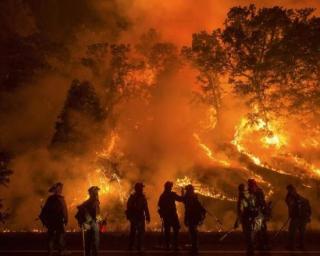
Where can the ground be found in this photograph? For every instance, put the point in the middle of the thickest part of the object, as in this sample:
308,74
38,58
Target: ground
29,244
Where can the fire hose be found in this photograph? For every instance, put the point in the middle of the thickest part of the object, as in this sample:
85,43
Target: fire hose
227,234
235,226
219,224
281,229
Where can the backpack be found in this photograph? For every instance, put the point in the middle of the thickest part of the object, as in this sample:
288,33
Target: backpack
195,212
135,207
202,214
303,208
81,215
51,212
44,216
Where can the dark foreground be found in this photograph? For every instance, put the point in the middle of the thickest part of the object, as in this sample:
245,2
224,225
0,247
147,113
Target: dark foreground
28,244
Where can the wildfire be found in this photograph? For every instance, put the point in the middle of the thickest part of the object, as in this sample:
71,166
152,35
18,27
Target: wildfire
104,177
110,145
210,120
314,171
99,177
203,190
209,152
271,136
271,133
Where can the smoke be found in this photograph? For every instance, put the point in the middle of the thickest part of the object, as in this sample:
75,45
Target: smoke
178,20
156,137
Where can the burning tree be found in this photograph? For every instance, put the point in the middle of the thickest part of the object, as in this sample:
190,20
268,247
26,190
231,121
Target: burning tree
81,116
161,56
208,56
300,68
267,57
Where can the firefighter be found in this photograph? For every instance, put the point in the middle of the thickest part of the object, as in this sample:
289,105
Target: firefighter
299,211
137,213
194,215
247,213
54,216
168,213
89,217
263,215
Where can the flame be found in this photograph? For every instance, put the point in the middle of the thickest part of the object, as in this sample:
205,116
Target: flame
109,146
210,119
272,135
203,190
209,152
314,171
105,178
273,138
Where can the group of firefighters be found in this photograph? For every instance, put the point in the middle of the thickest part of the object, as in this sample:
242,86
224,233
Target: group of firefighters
253,213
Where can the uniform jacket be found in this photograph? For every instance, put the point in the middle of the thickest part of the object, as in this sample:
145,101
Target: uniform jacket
137,208
54,213
167,204
92,208
194,211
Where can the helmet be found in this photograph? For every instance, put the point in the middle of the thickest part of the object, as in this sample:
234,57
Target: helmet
138,186
55,186
291,188
252,182
189,188
168,185
93,189
241,187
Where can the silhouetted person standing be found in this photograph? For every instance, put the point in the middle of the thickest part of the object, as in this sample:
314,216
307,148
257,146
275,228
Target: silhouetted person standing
90,211
137,213
263,215
247,213
54,216
299,213
168,213
194,215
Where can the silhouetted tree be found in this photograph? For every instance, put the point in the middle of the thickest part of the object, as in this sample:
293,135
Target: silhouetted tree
268,57
80,121
163,57
207,55
32,32
96,57
252,38
300,69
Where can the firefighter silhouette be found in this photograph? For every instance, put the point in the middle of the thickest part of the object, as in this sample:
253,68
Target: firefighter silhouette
247,213
263,215
54,216
137,213
299,211
168,213
194,215
88,217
